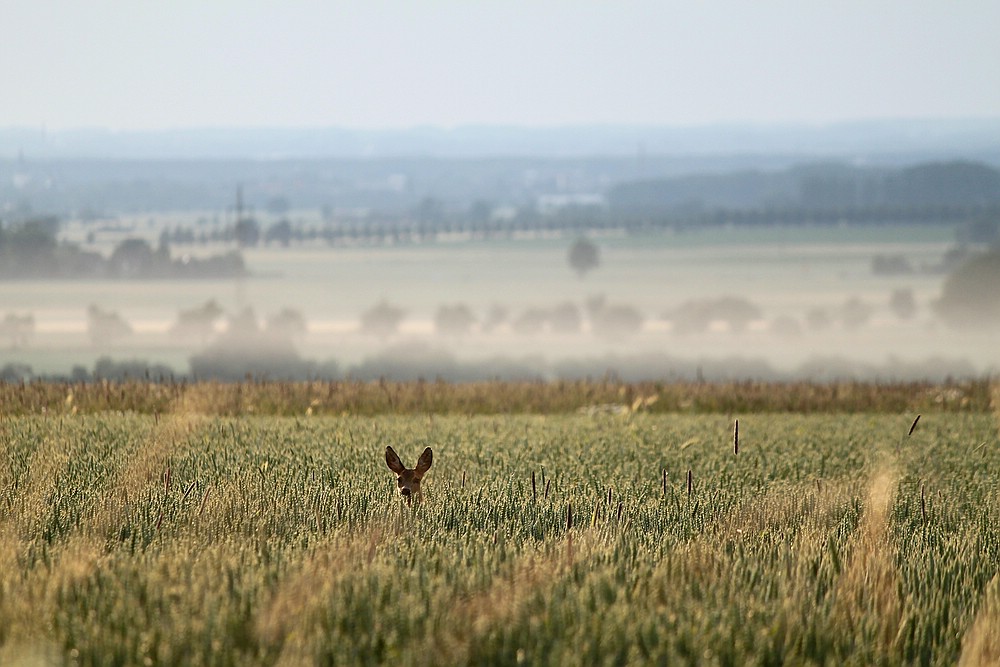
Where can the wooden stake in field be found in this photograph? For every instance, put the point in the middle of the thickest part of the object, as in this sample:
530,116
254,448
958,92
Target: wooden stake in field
690,483
736,437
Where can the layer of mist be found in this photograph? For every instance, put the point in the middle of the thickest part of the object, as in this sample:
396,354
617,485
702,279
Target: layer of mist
646,266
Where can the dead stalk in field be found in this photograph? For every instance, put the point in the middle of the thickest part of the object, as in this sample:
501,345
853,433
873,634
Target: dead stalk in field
204,501
923,504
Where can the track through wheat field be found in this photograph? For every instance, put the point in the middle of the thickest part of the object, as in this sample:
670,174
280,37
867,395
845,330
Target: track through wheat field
193,537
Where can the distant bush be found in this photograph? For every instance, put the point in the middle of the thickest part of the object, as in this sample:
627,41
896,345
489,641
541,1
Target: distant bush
786,326
696,315
456,320
247,232
406,363
903,304
382,319
531,322
970,296
818,319
136,259
18,329
134,369
496,317
280,233
244,325
104,327
583,256
565,318
288,322
616,321
855,313
198,322
16,372
242,353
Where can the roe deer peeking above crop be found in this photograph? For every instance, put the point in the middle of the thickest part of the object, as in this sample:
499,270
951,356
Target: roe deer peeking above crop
407,480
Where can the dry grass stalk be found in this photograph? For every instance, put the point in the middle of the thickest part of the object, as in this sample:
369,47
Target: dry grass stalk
923,503
981,644
204,500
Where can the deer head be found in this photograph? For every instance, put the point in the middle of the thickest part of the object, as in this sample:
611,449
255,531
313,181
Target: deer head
408,480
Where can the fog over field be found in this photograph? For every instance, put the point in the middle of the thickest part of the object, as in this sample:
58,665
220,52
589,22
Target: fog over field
730,302
652,190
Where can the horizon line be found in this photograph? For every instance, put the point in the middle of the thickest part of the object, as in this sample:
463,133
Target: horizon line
815,124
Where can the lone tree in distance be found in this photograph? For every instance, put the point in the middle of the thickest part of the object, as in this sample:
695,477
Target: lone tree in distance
583,256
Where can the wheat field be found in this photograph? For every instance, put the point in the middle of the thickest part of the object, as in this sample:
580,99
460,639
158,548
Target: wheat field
258,525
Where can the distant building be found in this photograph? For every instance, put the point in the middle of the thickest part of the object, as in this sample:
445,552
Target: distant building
548,204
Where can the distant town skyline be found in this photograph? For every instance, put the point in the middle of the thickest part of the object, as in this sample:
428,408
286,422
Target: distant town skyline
394,64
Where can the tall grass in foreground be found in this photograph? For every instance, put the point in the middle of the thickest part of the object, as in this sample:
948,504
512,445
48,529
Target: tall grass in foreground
189,539
377,398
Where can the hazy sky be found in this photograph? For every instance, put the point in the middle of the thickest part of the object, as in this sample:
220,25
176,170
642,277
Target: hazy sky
151,64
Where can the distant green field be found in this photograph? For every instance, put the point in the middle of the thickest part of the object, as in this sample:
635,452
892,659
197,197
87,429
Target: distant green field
201,534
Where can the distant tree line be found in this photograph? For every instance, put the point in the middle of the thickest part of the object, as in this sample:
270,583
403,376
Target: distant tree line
925,192
30,249
957,192
418,362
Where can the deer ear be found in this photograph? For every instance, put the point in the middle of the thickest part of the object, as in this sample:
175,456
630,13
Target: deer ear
424,462
392,460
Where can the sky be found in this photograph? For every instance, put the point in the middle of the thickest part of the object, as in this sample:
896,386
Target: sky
169,64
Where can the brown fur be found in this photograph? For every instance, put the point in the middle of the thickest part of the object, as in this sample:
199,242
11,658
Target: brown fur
407,479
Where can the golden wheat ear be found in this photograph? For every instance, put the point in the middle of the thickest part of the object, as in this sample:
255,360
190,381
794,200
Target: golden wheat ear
392,460
424,462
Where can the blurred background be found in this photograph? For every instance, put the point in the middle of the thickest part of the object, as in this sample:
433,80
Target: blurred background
646,190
